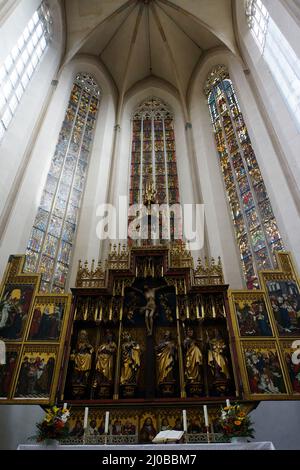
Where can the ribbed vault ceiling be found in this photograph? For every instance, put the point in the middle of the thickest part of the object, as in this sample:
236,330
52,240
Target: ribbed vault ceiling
136,39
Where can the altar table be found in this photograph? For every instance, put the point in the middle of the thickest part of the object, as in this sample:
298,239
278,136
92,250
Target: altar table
155,447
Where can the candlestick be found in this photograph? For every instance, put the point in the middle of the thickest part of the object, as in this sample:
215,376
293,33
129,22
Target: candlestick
205,415
227,402
106,422
208,434
86,414
65,406
184,420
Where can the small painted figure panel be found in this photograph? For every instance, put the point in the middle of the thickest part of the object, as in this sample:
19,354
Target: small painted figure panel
264,371
47,320
7,370
285,301
35,375
252,317
14,309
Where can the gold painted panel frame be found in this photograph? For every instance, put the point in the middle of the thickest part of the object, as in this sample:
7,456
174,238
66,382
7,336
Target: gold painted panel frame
47,321
285,277
251,316
291,356
17,293
36,381
262,370
20,297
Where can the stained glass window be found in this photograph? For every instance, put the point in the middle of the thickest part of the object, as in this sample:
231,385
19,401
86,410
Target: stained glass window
258,18
153,156
52,238
20,64
254,222
280,57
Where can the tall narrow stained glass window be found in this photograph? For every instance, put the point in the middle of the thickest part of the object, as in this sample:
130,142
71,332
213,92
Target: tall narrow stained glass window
280,57
255,226
21,63
153,155
50,245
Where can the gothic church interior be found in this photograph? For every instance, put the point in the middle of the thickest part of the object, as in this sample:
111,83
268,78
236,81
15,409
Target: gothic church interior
192,105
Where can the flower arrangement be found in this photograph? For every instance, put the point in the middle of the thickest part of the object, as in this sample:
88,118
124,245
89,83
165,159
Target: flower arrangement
235,422
54,425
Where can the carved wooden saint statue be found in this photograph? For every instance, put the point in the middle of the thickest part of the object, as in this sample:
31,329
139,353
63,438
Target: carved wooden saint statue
105,359
193,358
217,359
82,359
130,360
166,355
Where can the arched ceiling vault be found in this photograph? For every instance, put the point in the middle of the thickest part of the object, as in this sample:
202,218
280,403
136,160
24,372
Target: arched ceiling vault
136,39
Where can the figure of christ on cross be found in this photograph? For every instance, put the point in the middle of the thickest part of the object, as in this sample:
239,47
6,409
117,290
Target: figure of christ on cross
150,309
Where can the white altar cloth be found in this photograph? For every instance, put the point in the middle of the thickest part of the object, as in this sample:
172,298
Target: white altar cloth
155,447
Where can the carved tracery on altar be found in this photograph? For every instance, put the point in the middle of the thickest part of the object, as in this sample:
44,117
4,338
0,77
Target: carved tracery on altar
150,330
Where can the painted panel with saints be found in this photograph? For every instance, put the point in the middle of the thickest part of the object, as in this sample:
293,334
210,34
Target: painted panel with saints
285,302
7,370
251,314
263,368
36,373
47,318
148,428
123,424
14,308
292,361
75,424
169,420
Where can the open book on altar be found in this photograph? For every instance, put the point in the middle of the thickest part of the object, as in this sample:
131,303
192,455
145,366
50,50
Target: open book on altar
167,436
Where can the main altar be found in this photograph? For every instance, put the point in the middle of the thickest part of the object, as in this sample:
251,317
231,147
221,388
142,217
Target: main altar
148,342
145,337
149,339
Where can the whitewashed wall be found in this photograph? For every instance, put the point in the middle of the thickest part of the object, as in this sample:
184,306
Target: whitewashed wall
282,162
26,121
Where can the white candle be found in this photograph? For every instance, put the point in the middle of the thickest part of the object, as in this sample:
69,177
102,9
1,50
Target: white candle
106,422
227,402
184,420
86,414
65,406
205,415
